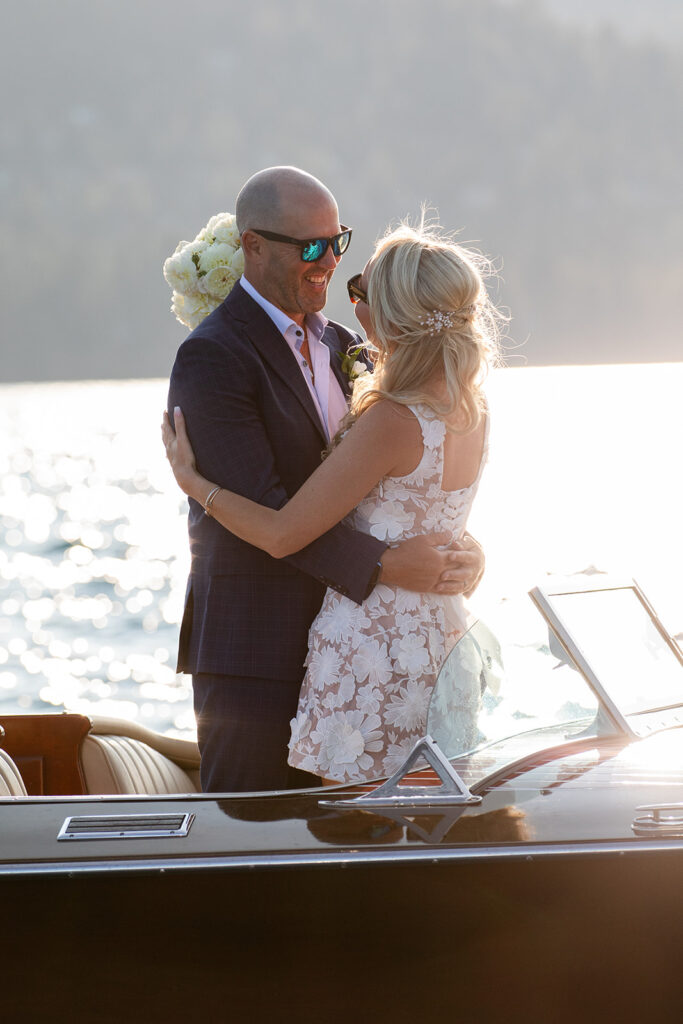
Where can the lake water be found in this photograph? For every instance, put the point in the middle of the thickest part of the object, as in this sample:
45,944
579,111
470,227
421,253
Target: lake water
585,475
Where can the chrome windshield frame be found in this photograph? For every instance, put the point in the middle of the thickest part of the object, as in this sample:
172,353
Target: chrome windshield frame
543,597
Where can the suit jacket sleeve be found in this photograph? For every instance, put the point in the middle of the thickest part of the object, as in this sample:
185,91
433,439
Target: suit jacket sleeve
220,392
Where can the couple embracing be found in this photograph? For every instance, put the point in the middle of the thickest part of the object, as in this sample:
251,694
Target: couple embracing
324,595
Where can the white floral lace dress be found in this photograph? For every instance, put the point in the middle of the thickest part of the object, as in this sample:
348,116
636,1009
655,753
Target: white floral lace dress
371,668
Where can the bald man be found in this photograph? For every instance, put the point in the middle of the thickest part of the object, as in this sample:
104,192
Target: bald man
261,384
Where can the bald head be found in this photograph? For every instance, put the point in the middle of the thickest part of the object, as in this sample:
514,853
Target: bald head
278,198
287,201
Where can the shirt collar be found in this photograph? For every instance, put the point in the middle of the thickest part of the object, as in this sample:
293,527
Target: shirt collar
315,322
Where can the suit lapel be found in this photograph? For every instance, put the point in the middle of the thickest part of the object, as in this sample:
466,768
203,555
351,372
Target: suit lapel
340,347
336,347
273,349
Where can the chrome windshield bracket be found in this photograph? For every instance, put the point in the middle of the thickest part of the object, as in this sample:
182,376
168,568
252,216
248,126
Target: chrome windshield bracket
451,793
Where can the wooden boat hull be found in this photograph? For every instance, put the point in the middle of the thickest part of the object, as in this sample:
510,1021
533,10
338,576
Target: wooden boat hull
561,936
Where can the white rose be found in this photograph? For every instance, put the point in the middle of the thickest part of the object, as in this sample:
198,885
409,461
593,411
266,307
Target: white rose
237,263
218,282
198,246
228,234
219,220
215,256
180,271
177,303
191,309
358,368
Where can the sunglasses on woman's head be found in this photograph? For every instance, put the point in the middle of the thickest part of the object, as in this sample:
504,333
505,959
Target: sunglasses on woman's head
312,249
356,293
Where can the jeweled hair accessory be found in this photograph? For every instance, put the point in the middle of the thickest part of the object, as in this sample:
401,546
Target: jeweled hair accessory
438,320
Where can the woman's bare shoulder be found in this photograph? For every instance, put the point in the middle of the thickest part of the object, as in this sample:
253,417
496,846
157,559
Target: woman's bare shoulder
394,430
391,416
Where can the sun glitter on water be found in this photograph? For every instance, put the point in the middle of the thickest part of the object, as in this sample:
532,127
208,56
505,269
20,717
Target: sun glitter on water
584,475
94,559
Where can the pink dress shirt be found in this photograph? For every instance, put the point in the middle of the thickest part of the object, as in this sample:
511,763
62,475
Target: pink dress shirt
327,395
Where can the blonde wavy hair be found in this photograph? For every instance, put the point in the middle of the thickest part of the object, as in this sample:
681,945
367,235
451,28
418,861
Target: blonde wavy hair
432,324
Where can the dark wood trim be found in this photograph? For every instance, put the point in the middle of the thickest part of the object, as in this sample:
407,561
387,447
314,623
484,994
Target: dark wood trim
45,749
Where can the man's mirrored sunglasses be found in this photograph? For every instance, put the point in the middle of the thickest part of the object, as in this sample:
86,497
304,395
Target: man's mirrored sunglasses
312,249
356,293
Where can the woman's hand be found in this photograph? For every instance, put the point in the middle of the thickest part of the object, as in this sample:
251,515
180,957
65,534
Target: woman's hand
179,453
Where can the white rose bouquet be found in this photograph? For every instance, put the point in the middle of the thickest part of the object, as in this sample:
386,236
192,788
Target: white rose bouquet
201,273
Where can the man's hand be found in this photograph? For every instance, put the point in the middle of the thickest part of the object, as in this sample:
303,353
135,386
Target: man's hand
469,566
424,564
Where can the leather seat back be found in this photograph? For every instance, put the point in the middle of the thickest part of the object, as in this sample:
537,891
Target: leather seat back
119,764
120,757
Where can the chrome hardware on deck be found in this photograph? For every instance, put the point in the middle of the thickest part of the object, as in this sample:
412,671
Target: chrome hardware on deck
660,821
126,826
452,791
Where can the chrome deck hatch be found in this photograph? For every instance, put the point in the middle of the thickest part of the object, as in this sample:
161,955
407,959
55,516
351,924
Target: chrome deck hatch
126,826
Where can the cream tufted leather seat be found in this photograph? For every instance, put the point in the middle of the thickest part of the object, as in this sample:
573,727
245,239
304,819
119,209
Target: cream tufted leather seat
11,782
121,757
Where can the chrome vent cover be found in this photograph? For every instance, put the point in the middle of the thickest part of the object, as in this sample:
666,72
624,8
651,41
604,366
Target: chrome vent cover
126,826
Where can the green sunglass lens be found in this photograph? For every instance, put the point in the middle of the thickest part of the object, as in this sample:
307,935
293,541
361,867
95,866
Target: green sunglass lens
316,248
312,251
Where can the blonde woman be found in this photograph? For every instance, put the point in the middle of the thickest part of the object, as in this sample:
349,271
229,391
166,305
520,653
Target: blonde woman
408,462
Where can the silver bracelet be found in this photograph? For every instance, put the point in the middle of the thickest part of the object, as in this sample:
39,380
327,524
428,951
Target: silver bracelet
210,500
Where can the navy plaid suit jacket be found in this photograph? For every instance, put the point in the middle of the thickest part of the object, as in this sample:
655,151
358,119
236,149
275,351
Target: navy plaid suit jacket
254,430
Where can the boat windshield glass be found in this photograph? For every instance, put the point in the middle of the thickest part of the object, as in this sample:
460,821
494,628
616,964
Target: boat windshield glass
506,676
617,638
510,674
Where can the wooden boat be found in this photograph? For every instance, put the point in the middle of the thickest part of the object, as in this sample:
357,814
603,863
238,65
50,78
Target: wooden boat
536,876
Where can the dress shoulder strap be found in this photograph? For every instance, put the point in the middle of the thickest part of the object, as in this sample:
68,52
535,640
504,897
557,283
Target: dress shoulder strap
485,446
433,428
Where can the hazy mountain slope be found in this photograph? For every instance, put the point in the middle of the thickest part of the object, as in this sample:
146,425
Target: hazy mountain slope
126,125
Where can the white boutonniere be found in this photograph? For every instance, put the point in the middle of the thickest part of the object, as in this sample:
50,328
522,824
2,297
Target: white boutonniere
351,365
